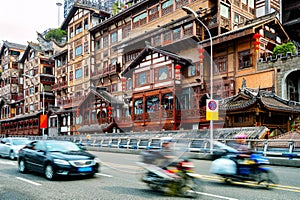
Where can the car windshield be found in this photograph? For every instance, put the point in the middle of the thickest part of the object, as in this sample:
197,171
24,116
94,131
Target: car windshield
20,141
62,146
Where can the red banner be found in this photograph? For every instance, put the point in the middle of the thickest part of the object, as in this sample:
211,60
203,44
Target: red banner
43,121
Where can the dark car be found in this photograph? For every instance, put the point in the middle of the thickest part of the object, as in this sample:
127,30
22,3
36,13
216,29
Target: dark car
52,158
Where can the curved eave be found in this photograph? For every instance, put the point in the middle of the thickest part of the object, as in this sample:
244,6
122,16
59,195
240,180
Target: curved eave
238,107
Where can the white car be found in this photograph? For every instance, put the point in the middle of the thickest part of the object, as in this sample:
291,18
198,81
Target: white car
10,146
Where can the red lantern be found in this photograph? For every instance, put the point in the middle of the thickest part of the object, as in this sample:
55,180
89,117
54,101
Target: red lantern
177,72
123,83
201,56
256,43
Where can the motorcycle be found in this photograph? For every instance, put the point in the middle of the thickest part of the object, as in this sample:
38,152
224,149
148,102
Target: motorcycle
253,168
176,179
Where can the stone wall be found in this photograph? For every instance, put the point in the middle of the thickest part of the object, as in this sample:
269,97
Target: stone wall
282,65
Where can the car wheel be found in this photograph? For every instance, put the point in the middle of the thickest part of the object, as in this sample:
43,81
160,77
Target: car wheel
22,166
49,172
12,155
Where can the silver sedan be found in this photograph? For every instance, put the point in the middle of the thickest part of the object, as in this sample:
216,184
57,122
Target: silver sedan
10,146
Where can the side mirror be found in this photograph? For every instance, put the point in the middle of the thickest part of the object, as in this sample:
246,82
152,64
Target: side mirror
8,143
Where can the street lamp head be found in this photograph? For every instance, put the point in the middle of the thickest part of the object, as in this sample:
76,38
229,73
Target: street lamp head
189,11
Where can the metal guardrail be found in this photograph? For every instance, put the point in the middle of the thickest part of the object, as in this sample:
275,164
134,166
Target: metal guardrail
268,147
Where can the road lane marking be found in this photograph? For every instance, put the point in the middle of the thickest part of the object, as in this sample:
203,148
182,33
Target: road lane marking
29,181
216,196
253,183
106,175
8,162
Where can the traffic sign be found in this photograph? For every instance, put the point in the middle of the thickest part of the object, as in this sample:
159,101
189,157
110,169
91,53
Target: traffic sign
212,109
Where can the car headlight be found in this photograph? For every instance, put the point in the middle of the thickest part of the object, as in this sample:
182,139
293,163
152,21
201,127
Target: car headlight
97,160
61,162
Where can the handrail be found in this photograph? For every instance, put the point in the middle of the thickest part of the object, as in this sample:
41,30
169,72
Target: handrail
278,147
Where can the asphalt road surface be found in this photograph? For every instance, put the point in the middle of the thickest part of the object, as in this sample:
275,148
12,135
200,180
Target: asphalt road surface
119,179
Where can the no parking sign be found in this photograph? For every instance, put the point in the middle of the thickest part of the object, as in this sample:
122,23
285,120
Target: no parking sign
212,109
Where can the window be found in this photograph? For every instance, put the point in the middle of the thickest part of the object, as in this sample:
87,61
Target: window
15,53
114,37
86,47
58,63
224,11
78,28
71,33
78,73
31,73
78,50
157,40
236,18
188,29
176,34
152,104
105,41
31,107
140,20
129,84
71,76
126,30
86,71
141,79
86,23
245,59
71,53
138,106
31,90
221,64
162,73
192,71
31,55
167,7
153,13
98,44
167,37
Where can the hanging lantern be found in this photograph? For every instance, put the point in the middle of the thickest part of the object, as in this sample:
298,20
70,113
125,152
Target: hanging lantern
201,56
256,43
123,83
177,72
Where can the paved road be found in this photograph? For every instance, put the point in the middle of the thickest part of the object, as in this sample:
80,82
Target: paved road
119,179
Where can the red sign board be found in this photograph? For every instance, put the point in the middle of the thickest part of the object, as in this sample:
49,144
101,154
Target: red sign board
43,121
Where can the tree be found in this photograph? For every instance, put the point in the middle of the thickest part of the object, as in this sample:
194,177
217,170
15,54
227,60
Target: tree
284,48
56,34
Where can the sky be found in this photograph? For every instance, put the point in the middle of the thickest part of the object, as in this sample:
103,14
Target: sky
20,20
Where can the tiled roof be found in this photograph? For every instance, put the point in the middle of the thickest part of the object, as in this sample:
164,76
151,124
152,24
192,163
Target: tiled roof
248,97
14,45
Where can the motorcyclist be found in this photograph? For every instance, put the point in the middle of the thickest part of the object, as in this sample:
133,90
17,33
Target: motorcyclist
243,156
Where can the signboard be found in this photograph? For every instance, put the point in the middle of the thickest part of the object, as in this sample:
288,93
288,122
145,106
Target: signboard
43,121
212,109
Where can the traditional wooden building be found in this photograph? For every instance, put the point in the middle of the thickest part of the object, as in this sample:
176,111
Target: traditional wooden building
257,107
73,64
11,91
97,112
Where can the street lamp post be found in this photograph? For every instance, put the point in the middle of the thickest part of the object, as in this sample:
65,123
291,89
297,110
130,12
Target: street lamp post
196,16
